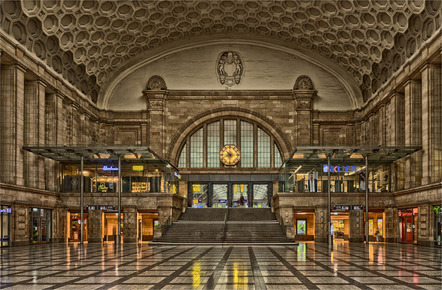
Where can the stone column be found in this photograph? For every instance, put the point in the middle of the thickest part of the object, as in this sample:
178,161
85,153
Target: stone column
304,94
130,225
94,226
34,132
431,124
54,131
425,225
75,124
391,225
321,224
11,123
357,231
155,107
413,132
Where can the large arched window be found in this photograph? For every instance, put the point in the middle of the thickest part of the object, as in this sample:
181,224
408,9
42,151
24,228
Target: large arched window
258,148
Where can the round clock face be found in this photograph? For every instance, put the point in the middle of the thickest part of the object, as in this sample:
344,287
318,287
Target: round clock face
229,155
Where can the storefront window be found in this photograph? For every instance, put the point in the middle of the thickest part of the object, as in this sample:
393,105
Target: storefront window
342,179
135,177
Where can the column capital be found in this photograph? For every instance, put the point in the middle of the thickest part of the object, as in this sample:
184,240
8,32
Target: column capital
155,99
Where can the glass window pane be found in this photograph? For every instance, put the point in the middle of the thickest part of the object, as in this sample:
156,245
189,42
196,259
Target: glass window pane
263,149
278,158
213,140
246,144
182,160
230,132
196,149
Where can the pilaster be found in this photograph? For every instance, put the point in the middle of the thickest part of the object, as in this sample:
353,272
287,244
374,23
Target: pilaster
156,127
94,226
413,132
431,124
425,227
304,95
130,225
356,226
321,224
12,123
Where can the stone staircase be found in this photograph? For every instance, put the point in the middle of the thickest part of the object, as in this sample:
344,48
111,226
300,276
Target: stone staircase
244,225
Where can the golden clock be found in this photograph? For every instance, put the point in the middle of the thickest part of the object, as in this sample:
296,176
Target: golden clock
229,155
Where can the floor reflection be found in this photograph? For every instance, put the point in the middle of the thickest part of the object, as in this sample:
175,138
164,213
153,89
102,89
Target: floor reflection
307,266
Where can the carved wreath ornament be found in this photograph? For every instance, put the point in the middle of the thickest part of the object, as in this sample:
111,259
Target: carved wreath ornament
229,68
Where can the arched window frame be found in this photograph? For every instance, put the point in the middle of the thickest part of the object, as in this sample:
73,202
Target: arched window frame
275,161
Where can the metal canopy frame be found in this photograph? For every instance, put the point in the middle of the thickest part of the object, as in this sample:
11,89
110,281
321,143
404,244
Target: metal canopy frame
96,154
313,156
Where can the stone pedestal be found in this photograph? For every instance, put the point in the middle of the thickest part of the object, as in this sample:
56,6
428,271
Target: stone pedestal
286,216
94,226
356,226
130,225
321,224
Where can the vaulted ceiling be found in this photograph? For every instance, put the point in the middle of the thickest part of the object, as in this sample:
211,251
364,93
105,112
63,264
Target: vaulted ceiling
88,41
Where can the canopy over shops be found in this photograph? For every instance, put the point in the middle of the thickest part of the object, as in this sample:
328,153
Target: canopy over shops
98,154
313,156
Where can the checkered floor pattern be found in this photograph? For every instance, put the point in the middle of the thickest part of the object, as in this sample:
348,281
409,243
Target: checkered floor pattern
307,266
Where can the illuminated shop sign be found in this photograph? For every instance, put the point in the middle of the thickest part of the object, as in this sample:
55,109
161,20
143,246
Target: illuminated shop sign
137,168
6,210
334,169
109,168
177,175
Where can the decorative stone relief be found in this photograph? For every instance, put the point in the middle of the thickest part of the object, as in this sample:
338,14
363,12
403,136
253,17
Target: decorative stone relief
303,83
156,83
229,68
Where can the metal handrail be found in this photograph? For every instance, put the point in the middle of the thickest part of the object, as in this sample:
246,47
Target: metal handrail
223,235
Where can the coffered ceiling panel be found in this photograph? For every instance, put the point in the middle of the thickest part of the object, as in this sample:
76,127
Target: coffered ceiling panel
87,41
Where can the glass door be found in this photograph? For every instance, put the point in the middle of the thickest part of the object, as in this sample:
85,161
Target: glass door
240,195
220,195
200,195
261,195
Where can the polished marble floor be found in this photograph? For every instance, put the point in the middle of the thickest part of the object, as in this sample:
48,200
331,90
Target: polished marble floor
307,266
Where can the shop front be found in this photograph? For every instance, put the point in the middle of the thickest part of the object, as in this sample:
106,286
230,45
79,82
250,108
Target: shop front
40,225
304,223
147,223
437,225
5,225
74,226
408,225
110,226
376,226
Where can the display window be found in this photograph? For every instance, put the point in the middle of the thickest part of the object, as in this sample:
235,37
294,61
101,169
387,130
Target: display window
136,178
74,226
